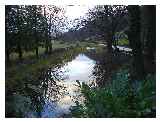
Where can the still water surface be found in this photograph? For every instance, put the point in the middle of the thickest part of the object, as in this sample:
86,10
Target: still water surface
80,69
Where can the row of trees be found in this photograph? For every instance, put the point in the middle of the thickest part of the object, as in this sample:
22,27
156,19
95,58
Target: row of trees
28,27
137,22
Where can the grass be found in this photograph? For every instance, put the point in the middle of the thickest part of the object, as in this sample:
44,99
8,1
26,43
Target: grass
62,44
123,42
56,44
14,56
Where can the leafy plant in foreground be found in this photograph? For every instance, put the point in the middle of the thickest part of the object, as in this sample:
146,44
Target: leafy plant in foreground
120,98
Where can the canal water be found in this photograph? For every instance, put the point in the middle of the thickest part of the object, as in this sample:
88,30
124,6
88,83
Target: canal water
79,69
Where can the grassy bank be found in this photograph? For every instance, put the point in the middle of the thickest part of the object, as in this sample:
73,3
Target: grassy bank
55,45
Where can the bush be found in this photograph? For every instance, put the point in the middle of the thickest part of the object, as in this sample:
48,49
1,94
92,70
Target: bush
121,98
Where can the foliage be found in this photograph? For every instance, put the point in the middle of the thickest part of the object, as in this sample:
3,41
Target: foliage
107,21
123,42
35,23
118,99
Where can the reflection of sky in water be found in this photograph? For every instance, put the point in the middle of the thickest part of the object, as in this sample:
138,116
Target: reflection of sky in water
79,69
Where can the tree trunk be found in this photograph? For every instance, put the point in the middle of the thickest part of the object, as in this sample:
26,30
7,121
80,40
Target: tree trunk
35,31
109,42
135,42
19,48
20,51
7,55
36,48
50,43
46,33
151,37
37,52
50,47
46,46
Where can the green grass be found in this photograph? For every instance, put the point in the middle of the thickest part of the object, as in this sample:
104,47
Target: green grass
123,42
61,44
56,44
14,56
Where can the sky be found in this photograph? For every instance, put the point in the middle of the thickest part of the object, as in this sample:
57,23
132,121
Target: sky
73,12
77,11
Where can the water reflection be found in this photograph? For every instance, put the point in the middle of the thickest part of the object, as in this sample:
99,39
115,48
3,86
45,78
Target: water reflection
79,69
86,68
53,91
61,91
48,91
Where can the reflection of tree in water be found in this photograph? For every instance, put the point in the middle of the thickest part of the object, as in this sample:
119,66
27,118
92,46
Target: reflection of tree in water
52,83
102,71
102,67
28,97
50,89
106,64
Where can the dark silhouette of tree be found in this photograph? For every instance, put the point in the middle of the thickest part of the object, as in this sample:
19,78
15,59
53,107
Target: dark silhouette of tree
14,30
108,20
149,25
36,22
135,42
52,24
8,34
31,26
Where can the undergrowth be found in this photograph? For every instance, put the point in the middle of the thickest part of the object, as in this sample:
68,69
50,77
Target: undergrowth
121,98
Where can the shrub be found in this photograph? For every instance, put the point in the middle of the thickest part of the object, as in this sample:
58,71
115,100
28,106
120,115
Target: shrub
120,98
